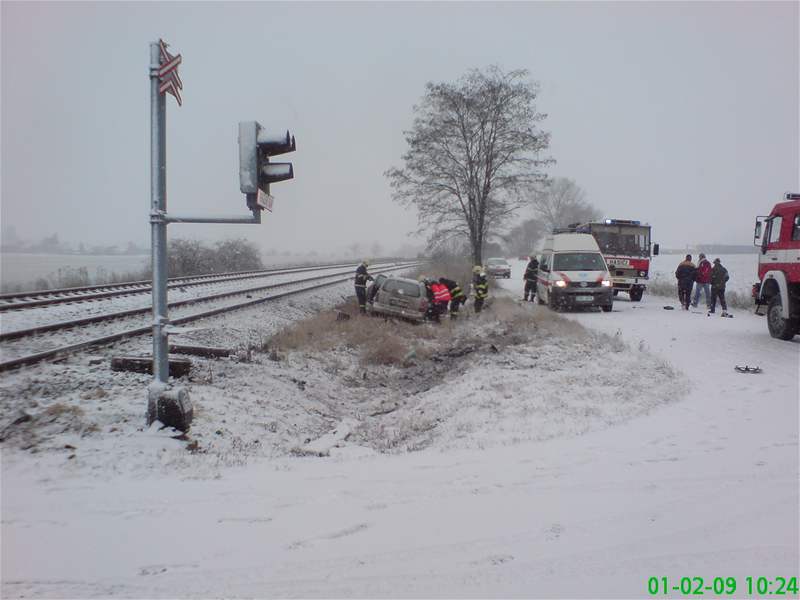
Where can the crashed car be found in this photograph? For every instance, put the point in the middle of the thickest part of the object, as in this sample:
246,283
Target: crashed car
498,267
398,297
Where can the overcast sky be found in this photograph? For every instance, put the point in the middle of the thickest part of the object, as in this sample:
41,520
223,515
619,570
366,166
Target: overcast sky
681,114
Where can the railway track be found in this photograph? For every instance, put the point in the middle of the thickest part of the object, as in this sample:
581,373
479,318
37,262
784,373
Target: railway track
24,300
71,348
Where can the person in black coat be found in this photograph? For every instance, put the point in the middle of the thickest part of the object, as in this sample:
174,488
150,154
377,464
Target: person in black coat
362,277
457,297
685,274
719,277
531,272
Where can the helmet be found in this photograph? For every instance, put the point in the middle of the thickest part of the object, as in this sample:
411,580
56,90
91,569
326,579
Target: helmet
365,262
477,269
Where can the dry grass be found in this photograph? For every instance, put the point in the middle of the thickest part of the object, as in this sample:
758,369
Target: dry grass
387,341
59,409
380,341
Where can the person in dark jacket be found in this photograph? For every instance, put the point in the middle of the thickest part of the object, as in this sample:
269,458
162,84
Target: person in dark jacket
457,296
685,274
702,279
531,273
362,277
481,285
719,277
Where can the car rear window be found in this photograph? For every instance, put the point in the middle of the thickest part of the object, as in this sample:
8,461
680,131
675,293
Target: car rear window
406,288
497,261
579,261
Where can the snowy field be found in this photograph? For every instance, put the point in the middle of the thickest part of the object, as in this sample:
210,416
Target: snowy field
25,269
22,268
572,456
742,268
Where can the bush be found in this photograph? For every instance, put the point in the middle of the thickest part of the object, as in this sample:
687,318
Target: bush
190,257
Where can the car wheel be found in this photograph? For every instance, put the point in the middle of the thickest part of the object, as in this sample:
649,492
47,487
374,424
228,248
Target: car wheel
607,307
780,328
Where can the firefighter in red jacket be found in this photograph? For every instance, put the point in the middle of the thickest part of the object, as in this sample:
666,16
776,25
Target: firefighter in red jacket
441,298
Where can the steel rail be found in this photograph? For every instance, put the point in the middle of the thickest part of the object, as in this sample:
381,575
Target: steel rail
32,293
62,351
50,327
129,289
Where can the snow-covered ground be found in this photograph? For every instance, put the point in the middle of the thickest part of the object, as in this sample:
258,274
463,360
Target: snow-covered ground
572,455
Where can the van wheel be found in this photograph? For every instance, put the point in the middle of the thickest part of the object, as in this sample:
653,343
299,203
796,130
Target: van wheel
551,302
780,328
636,294
607,307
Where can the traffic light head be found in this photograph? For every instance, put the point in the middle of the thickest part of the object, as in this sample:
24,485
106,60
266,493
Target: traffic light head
256,172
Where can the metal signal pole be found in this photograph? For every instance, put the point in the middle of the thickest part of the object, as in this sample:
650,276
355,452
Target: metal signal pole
158,206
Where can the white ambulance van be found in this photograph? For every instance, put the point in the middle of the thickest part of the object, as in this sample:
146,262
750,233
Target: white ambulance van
573,273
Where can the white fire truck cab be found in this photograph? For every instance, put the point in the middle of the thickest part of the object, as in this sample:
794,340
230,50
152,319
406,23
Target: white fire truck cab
778,284
626,247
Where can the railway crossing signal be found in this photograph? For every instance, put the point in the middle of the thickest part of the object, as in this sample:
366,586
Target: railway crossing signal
172,406
256,172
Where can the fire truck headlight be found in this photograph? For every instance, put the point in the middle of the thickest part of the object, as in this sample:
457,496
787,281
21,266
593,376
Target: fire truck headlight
606,283
642,273
560,283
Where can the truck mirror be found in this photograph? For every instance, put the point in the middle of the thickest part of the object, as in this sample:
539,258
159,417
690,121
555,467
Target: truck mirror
758,230
655,249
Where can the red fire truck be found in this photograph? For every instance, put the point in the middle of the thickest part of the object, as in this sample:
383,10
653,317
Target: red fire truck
626,247
778,284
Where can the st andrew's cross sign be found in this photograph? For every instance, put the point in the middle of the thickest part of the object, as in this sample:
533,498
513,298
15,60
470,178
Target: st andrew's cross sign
169,80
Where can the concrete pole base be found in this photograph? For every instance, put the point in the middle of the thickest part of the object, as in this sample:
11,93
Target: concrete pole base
172,407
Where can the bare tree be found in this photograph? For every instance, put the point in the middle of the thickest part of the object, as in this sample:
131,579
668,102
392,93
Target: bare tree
562,202
522,239
473,153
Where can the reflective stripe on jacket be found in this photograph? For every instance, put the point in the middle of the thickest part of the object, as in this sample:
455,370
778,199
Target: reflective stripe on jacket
481,287
440,292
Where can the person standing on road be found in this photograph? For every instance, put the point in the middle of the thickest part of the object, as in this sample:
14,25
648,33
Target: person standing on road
481,285
531,273
457,297
685,275
362,277
719,277
702,281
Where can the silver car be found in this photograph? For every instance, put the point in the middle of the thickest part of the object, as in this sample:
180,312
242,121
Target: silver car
498,267
399,297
